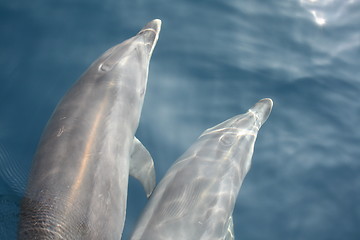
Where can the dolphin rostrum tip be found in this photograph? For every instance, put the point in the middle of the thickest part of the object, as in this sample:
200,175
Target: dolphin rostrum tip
154,26
151,33
262,109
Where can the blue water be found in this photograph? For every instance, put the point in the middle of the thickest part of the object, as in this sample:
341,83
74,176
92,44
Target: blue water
214,59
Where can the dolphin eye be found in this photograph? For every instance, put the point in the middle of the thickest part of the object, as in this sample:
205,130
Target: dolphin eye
228,139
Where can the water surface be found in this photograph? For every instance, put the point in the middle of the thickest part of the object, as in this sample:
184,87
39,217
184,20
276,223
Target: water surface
214,60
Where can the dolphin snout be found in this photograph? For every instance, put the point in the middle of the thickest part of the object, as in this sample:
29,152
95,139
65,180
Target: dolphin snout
154,25
151,33
262,109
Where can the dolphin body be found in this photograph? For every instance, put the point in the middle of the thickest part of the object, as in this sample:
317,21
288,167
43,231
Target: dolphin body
78,183
196,198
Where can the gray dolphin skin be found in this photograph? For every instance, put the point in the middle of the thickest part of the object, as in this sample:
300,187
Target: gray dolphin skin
196,198
78,183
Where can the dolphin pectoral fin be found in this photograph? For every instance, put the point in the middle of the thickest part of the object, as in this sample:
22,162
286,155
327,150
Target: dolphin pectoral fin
142,167
230,230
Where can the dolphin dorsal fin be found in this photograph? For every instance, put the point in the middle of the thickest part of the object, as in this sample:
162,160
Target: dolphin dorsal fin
142,166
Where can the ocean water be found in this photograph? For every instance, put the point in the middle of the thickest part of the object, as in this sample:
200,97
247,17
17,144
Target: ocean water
214,60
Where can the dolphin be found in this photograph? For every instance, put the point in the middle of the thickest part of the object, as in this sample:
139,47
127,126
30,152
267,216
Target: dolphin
196,197
78,184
